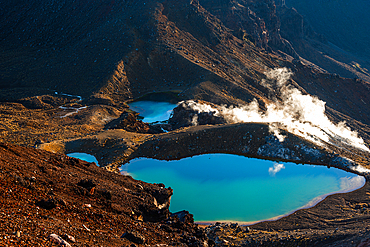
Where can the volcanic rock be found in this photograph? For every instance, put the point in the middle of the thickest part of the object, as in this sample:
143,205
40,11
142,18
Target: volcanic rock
134,236
49,213
87,183
159,128
184,116
58,240
69,237
128,121
49,203
183,216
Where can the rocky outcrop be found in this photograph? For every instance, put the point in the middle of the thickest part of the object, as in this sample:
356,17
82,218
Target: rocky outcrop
183,116
158,210
342,22
128,121
255,22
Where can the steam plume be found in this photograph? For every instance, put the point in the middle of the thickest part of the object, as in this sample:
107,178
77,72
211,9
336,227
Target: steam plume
302,115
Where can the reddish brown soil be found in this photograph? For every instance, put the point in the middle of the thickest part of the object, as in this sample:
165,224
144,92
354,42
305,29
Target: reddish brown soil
42,193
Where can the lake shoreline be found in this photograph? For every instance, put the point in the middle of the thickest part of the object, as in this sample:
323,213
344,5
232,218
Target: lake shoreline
116,147
235,179
311,204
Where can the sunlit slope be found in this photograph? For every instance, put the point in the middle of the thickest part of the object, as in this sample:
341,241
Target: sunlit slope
117,47
126,49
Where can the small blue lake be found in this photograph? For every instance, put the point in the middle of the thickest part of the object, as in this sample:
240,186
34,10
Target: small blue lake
84,156
153,111
223,187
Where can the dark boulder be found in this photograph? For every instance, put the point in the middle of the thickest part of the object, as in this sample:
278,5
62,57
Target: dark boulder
157,210
184,115
159,128
48,204
184,216
87,183
134,236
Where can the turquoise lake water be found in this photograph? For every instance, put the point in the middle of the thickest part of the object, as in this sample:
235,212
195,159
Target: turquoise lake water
84,156
223,187
153,111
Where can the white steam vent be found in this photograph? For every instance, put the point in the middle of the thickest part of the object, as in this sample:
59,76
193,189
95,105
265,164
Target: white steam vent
302,115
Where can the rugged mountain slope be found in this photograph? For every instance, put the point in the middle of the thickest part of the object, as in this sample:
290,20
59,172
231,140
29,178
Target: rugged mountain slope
114,47
124,49
44,193
272,25
318,46
344,23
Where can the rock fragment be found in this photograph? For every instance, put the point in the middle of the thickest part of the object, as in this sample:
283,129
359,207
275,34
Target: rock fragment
86,228
87,183
134,236
47,203
58,240
69,237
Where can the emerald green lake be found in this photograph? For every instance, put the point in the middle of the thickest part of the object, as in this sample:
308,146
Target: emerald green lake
224,187
153,111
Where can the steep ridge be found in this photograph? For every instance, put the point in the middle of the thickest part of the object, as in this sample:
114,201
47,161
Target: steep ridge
345,24
255,22
272,25
127,49
317,49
